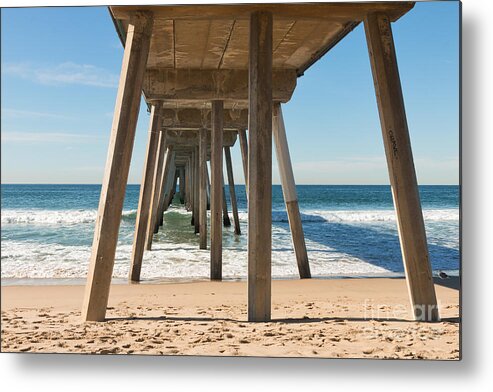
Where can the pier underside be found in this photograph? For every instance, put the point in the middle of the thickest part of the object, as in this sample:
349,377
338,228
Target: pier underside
212,74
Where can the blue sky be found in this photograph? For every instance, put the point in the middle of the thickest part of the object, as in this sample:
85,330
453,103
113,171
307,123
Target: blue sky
60,69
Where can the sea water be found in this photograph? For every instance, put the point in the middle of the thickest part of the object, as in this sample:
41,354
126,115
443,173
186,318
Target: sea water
47,232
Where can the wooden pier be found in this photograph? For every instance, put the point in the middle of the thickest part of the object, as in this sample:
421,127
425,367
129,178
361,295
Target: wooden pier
212,74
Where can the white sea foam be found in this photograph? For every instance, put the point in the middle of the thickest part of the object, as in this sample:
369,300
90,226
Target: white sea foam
23,260
360,216
56,217
53,217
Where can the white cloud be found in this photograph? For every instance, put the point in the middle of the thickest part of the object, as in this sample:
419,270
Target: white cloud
46,137
64,73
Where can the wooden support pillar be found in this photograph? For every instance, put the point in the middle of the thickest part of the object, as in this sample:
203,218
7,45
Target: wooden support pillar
203,188
260,167
172,187
182,185
168,168
192,188
196,195
117,167
226,220
188,185
158,173
216,190
244,155
145,199
289,192
400,163
208,188
232,191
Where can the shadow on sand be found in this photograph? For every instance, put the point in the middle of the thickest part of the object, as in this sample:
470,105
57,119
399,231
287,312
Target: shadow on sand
303,320
368,244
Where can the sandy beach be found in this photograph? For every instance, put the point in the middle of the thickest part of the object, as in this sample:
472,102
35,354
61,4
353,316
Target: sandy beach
339,318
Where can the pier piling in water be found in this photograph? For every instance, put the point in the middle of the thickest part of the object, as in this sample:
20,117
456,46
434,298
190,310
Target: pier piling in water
232,191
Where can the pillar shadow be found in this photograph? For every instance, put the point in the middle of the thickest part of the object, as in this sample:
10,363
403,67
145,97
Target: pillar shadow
375,246
452,282
295,320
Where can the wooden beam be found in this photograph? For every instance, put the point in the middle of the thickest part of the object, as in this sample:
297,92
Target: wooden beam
203,188
192,188
208,188
226,220
216,190
165,187
188,119
187,185
182,185
244,155
196,197
157,182
260,168
289,192
172,192
400,163
144,207
336,12
184,140
232,191
117,167
226,84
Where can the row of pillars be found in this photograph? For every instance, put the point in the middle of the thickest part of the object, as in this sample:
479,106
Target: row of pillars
265,121
161,175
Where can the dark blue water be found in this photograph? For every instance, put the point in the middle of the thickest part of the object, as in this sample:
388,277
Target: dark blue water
339,197
350,230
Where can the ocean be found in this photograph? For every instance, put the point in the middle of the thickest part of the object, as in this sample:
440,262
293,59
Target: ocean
350,231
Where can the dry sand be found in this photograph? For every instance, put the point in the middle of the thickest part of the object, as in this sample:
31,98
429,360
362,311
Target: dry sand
343,318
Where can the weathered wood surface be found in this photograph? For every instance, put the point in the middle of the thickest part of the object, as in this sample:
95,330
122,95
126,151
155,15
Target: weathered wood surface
172,193
289,192
184,140
203,188
196,197
181,185
232,191
196,84
208,188
165,186
260,168
400,163
145,198
117,168
326,11
244,155
188,185
215,37
226,220
216,190
192,189
156,189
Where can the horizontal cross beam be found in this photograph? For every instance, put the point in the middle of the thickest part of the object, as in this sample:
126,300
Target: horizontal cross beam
206,85
188,139
327,11
192,119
